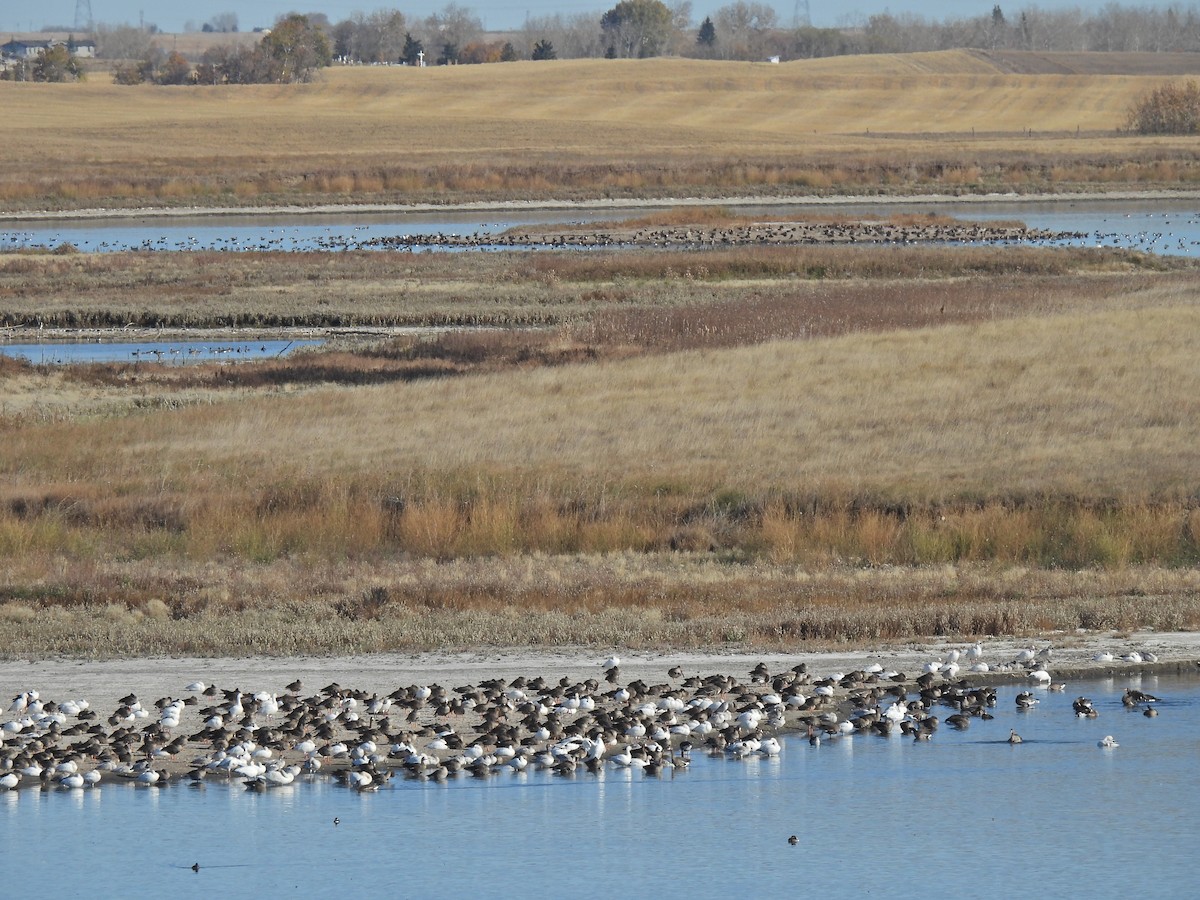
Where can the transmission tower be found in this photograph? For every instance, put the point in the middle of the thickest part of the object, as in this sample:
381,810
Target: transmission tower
798,19
83,15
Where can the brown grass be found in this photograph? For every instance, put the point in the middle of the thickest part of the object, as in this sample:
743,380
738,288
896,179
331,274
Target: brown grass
1041,438
113,608
597,128
758,446
377,289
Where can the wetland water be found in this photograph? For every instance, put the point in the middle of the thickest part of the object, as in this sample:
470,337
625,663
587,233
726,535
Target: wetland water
1169,227
179,352
1055,816
1166,227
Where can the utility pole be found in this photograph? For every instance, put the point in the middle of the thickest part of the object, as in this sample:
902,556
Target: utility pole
83,16
797,20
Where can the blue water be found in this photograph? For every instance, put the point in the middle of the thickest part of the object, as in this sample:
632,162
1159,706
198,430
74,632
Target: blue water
964,814
1165,227
240,233
174,352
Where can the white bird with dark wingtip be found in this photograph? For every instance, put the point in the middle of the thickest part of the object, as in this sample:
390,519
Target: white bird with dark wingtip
1040,676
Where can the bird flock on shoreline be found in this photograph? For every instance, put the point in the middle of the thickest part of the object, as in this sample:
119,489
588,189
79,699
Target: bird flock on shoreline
429,732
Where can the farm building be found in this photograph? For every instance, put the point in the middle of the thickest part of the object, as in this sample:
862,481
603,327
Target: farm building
30,49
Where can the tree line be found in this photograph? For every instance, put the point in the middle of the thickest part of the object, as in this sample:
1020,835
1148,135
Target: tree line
297,45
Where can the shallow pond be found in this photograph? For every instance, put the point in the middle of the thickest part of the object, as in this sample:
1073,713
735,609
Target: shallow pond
1165,227
1054,816
176,352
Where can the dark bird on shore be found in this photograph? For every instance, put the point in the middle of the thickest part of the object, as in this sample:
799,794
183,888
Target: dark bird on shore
675,672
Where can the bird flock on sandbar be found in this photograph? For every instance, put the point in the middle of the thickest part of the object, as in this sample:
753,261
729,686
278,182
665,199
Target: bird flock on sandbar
265,740
1167,233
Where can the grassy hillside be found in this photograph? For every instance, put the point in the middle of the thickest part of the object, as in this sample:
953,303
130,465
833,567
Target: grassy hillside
1027,469
589,127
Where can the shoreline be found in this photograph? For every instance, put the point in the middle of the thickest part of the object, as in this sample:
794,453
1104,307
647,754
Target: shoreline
965,200
152,748
1072,657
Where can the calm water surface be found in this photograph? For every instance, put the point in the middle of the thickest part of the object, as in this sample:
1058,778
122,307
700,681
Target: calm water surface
178,352
964,814
238,233
1166,227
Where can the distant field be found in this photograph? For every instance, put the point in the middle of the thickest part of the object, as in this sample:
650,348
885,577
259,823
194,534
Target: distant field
955,120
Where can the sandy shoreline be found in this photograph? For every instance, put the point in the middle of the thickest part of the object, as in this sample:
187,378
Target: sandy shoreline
106,680
34,751
595,204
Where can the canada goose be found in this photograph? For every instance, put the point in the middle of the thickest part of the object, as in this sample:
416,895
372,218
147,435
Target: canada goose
1013,737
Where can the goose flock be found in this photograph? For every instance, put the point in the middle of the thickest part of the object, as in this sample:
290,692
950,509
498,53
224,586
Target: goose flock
1161,233
429,732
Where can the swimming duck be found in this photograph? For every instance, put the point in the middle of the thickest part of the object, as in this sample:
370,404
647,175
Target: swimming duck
1026,700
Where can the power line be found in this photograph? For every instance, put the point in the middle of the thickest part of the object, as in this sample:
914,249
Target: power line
83,16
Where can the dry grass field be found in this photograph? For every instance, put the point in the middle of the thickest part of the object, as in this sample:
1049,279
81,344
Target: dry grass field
956,120
753,446
915,442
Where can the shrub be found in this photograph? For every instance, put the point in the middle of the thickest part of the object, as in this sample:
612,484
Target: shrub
1171,109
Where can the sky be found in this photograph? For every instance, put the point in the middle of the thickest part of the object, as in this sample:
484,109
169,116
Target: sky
25,15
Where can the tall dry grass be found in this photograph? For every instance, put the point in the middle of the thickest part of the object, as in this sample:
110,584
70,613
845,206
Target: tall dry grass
750,454
1049,440
108,608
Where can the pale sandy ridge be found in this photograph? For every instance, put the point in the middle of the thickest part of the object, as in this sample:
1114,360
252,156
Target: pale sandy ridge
102,682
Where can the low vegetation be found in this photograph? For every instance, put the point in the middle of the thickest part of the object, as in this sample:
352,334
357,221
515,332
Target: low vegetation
1171,109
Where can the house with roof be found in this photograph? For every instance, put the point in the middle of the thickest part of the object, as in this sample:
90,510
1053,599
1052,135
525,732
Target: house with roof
30,49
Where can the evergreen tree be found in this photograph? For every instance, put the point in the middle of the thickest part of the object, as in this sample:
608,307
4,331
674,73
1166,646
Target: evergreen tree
413,49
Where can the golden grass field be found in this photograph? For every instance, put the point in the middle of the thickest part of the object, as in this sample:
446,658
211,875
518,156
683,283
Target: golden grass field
953,120
747,446
903,447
